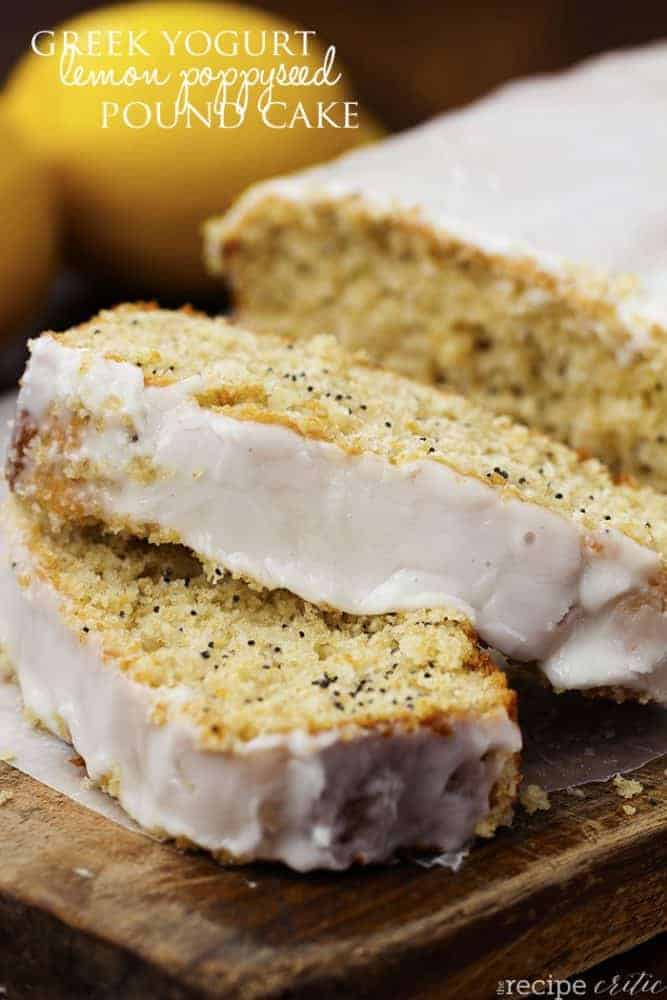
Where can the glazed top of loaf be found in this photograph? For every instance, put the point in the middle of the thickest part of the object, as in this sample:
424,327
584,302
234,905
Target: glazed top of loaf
564,169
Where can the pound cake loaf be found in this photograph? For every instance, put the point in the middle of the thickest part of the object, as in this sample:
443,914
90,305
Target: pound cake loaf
514,251
350,486
256,726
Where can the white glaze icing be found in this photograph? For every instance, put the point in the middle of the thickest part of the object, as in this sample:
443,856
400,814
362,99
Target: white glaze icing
563,169
602,649
319,801
353,532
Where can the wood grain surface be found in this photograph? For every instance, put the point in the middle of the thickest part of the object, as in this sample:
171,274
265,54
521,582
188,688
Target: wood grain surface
88,909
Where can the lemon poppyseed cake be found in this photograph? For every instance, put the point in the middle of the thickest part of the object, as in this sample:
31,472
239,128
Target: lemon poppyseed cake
350,486
254,725
514,251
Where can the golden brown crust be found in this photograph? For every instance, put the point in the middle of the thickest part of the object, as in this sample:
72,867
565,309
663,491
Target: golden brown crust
25,430
503,796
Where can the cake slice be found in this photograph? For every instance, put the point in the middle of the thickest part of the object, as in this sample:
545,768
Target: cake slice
352,487
256,726
514,251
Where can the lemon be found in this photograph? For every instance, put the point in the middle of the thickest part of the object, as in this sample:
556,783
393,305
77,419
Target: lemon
27,230
138,182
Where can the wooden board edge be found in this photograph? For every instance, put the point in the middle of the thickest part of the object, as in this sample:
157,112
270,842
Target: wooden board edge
538,933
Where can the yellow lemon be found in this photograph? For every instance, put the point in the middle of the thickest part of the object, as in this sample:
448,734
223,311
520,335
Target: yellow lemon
155,117
27,230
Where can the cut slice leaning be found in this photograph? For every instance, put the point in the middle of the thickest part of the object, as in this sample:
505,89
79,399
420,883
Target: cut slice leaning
352,487
255,726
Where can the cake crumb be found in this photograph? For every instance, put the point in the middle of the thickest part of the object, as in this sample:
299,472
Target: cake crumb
5,797
627,788
534,799
6,669
577,793
31,718
628,809
7,756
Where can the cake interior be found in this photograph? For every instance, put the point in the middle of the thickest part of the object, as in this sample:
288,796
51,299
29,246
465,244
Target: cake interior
250,724
555,354
319,391
249,663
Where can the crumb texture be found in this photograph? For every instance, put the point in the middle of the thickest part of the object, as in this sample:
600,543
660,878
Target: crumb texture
244,664
627,788
321,391
555,351
534,799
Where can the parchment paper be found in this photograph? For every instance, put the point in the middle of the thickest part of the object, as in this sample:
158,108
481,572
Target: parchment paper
571,740
37,753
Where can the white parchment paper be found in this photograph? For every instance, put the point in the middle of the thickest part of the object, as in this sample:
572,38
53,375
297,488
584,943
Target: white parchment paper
37,753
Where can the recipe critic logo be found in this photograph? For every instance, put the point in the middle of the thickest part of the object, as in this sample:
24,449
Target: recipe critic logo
196,78
633,984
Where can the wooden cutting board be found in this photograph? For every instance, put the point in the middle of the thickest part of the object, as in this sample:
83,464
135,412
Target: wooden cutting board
90,909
